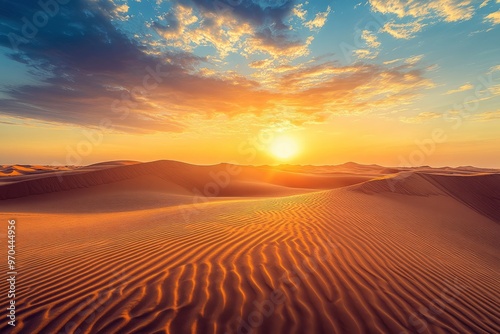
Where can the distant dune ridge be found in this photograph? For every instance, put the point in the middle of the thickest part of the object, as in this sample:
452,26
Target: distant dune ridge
169,247
185,175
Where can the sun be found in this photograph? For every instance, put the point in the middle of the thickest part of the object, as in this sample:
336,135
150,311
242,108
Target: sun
284,147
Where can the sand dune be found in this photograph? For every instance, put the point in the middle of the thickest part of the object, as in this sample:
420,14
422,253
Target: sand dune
131,186
480,192
18,170
413,252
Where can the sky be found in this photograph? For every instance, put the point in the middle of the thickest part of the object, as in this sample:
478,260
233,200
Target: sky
396,83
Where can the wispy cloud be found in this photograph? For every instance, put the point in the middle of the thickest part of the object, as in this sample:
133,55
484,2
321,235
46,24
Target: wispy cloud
422,117
372,46
463,88
493,17
403,30
407,18
319,20
487,116
393,61
494,69
447,10
413,60
484,3
370,39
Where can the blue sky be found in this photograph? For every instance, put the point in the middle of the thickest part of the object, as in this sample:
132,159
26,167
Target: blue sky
280,65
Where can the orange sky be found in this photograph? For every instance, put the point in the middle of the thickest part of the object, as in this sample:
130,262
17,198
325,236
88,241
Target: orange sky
365,82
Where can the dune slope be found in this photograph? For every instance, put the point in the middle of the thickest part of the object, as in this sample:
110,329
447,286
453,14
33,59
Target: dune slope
480,191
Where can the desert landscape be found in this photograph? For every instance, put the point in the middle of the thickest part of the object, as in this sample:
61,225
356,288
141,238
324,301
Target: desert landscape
249,167
170,247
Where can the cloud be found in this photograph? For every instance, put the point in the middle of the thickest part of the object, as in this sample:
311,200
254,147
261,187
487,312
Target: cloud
447,10
487,116
300,12
484,3
494,69
88,70
365,54
372,44
488,89
406,18
370,39
328,88
403,30
186,29
229,30
277,45
260,63
259,18
493,17
175,23
393,61
414,59
122,9
422,117
319,20
463,88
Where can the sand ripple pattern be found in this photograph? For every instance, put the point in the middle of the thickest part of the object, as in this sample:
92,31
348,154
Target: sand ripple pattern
333,261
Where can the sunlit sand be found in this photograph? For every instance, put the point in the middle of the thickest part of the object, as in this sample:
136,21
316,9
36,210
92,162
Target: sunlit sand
128,247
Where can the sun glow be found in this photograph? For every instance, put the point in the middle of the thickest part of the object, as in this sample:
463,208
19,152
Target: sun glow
284,147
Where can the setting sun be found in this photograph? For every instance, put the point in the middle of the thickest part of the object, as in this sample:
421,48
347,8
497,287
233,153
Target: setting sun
284,147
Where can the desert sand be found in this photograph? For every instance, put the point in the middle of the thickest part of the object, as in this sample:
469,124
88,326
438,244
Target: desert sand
168,247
